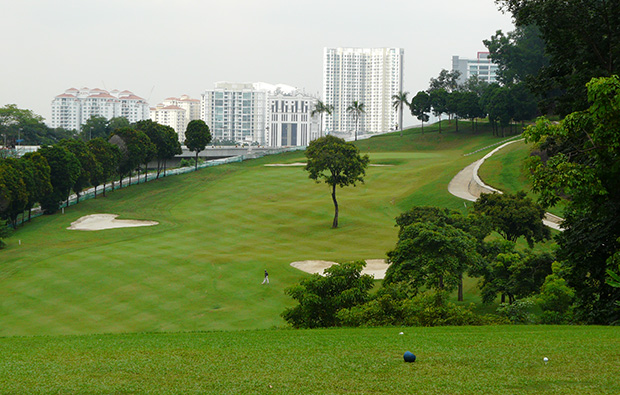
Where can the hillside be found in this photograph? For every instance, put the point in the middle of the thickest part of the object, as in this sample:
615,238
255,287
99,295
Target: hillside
219,228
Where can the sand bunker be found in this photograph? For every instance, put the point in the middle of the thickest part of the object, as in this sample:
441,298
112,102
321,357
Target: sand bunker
303,164
285,164
106,221
374,267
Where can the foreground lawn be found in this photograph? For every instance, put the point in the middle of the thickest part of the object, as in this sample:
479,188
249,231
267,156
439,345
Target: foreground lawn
450,360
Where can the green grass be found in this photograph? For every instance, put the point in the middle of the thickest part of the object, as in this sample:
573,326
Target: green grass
160,309
505,170
450,360
201,267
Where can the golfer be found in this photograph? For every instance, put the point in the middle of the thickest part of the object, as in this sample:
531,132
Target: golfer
266,280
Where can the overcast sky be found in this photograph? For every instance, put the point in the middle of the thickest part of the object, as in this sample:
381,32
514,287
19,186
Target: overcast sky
163,48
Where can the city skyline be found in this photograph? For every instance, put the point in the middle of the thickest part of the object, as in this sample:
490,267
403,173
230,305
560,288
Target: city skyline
156,50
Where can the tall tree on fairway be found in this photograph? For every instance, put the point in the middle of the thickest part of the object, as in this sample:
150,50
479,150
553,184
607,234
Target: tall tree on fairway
336,162
88,164
420,107
399,101
513,216
320,108
432,256
41,174
134,146
197,136
65,169
108,156
320,297
356,109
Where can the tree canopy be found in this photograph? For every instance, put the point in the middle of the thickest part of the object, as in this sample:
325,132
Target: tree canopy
338,163
197,136
513,216
321,297
582,41
580,162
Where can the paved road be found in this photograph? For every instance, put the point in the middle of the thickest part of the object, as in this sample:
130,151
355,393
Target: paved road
468,185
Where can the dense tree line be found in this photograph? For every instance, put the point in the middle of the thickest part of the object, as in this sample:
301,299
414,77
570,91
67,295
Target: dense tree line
504,105
103,151
436,247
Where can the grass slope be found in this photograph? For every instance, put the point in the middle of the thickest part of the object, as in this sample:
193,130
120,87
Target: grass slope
506,171
450,360
201,268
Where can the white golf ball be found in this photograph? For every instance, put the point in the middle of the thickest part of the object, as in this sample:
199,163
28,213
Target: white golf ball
545,359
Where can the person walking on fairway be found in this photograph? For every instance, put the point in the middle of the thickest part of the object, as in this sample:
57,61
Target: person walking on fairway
266,280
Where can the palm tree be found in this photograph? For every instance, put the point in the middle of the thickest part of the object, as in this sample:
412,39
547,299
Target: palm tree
320,108
357,109
400,100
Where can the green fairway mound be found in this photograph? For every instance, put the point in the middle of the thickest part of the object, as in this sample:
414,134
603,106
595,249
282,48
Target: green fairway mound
374,267
106,221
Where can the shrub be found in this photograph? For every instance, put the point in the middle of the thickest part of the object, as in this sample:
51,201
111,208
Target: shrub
427,309
517,312
320,297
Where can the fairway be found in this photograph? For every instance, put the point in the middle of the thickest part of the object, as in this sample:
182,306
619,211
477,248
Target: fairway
219,228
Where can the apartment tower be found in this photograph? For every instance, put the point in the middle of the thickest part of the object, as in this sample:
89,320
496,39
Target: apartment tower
367,75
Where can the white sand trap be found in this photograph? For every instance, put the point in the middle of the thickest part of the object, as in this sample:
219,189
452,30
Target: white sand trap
374,267
106,221
285,164
303,164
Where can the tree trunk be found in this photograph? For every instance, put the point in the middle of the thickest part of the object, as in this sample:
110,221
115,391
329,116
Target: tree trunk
457,124
146,172
400,120
503,298
196,164
335,224
460,291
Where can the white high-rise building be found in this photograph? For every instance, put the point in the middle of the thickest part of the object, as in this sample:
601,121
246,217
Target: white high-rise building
177,113
260,113
72,109
367,75
235,111
481,66
290,121
173,116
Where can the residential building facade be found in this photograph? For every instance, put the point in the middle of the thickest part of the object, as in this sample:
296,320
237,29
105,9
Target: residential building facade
173,116
259,113
177,113
480,66
235,112
370,76
290,121
74,107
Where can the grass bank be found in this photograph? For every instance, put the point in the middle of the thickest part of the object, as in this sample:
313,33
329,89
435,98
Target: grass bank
219,228
450,360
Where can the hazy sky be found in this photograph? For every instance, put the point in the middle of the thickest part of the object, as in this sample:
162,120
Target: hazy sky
158,48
